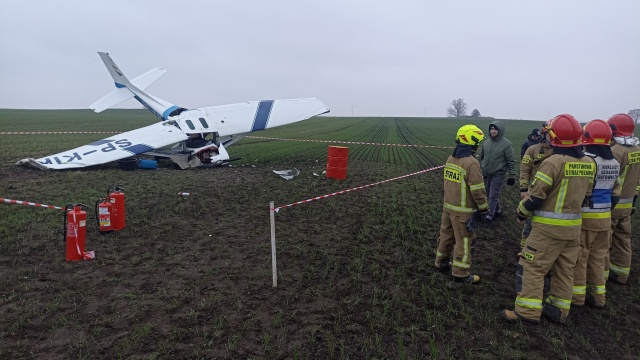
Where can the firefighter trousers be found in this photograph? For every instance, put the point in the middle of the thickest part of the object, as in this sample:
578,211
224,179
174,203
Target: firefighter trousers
618,262
542,254
526,230
456,244
588,275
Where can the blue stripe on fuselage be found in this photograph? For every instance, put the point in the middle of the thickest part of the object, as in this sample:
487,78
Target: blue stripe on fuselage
149,107
165,114
262,115
139,148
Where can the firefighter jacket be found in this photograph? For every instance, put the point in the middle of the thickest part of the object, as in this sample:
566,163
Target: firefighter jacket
596,209
629,158
496,154
464,191
531,161
555,210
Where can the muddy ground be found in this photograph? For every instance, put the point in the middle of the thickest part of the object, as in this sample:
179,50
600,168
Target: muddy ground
191,278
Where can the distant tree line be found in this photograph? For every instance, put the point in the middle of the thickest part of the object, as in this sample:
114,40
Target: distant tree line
458,108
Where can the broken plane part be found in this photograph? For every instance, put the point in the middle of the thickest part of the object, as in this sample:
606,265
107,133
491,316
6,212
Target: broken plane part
229,122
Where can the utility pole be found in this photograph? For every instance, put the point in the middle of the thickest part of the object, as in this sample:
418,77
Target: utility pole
425,110
352,106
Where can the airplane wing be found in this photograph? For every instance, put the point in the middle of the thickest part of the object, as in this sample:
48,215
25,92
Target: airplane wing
116,147
250,116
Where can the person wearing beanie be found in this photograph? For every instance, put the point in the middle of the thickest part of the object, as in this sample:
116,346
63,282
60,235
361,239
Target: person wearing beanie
534,138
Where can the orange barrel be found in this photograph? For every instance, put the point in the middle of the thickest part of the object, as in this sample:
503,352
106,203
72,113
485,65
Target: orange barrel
337,160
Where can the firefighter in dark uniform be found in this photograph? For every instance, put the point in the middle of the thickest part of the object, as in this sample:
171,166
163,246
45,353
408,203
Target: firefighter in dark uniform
533,157
554,242
588,282
626,149
465,201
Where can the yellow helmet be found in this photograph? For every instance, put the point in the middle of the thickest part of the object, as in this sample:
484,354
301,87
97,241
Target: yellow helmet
469,135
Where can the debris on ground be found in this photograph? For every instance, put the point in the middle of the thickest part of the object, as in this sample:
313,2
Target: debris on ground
287,174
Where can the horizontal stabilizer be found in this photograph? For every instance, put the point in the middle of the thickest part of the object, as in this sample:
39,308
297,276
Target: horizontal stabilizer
113,98
126,89
143,81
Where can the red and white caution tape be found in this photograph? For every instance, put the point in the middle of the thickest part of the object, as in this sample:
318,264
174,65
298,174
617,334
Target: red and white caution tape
355,188
56,132
9,201
252,137
353,142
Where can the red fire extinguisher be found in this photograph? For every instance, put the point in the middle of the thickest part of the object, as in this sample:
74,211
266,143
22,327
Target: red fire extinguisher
117,201
75,226
104,209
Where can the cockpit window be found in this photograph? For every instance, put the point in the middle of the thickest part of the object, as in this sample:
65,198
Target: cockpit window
204,123
190,124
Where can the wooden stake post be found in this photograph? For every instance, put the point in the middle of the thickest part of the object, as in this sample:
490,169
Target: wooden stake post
273,245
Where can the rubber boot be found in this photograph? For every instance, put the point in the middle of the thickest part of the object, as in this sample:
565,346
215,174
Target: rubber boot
552,313
513,317
618,279
444,266
589,300
471,279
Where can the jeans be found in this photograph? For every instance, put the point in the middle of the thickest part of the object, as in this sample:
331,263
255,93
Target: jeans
493,186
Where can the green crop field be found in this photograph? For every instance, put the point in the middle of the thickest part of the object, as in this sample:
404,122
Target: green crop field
191,278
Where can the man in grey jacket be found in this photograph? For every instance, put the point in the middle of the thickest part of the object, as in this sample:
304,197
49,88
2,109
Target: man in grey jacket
497,161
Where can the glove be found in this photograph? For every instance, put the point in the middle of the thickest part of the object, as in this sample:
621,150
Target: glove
471,224
511,181
520,216
481,216
475,219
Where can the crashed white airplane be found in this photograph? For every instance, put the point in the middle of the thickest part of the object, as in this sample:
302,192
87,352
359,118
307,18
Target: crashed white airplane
200,135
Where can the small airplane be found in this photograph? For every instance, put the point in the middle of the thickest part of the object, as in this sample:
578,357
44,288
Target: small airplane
200,135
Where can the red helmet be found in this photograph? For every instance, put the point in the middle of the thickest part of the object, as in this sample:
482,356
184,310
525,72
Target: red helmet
564,131
622,125
545,126
596,132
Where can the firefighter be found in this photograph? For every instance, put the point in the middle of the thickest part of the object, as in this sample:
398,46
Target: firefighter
554,242
626,150
533,157
465,202
588,282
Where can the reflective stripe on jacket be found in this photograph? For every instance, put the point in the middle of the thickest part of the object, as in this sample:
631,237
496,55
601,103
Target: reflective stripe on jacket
531,161
596,210
629,159
559,214
464,191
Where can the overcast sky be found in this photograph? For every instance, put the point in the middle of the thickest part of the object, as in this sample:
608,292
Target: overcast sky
506,58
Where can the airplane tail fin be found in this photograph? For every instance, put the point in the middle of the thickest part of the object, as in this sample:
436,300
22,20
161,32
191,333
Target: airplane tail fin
126,90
